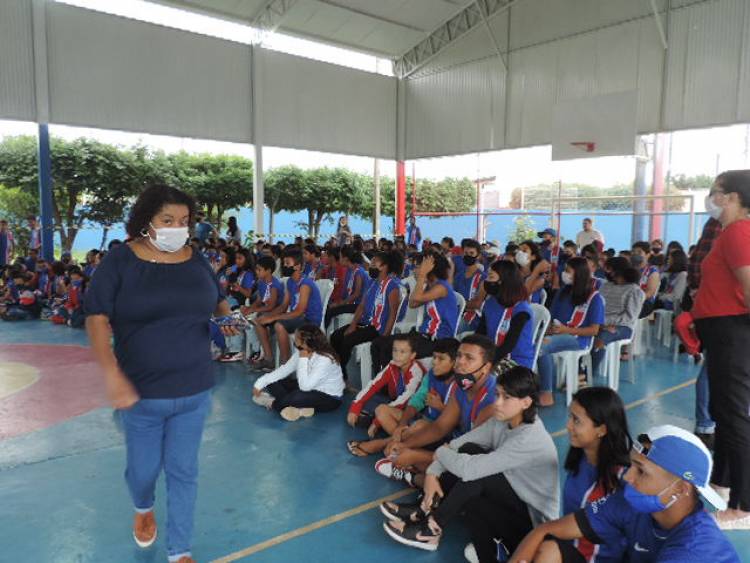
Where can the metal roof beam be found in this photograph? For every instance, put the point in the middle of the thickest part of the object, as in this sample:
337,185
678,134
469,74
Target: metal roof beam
370,15
447,33
270,16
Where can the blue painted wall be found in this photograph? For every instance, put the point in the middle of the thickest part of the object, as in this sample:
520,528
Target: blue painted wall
616,229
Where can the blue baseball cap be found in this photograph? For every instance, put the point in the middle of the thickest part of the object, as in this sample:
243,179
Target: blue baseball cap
683,454
547,231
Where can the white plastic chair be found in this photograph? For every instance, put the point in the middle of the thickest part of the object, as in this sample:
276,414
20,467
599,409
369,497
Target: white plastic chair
541,321
413,317
363,352
461,301
612,363
542,297
567,368
641,338
664,326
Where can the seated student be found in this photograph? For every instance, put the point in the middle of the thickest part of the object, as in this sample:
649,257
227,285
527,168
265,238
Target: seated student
31,259
18,302
318,385
593,263
93,258
502,477
313,265
577,313
269,294
469,282
335,272
675,278
376,314
623,300
649,275
43,280
356,282
468,403
507,316
69,308
430,399
592,254
433,292
598,456
242,280
534,267
394,385
657,516
302,304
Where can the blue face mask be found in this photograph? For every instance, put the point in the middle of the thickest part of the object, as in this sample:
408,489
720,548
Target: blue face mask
646,504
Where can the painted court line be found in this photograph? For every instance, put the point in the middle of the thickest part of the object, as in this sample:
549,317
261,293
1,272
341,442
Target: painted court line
258,547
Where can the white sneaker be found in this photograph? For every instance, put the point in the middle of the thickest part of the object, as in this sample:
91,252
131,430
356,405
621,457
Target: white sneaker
470,553
264,399
387,468
292,414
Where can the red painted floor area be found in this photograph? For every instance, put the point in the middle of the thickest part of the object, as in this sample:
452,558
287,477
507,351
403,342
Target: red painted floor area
70,384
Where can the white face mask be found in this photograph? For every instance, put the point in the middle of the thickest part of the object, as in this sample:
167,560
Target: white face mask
522,258
169,239
567,278
712,209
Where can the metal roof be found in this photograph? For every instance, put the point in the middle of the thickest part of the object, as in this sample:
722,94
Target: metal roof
385,28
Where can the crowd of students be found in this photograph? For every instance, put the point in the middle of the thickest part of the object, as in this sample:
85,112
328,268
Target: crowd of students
452,409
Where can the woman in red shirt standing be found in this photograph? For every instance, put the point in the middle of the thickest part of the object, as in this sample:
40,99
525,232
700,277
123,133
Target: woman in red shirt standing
722,319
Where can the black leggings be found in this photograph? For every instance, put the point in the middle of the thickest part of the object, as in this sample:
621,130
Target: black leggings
286,393
336,310
345,343
491,508
382,350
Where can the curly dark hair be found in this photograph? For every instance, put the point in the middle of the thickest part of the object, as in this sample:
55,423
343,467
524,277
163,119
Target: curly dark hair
150,202
316,341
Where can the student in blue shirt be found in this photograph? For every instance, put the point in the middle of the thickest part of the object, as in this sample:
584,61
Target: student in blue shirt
658,515
577,313
507,317
597,459
469,282
302,304
242,281
356,282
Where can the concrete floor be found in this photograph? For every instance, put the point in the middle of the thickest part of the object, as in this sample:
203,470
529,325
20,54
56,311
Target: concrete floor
270,490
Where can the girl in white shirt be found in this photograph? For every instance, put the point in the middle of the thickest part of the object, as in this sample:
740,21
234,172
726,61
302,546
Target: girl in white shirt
319,382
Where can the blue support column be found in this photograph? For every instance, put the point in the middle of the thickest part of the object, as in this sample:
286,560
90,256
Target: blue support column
44,159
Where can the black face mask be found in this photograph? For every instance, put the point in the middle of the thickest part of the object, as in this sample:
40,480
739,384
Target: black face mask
492,288
287,271
469,260
374,273
467,380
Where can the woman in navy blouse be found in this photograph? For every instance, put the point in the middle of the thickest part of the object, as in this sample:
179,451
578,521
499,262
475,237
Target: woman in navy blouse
155,295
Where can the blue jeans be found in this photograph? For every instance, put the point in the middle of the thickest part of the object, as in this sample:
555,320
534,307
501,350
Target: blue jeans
703,422
166,433
597,356
550,345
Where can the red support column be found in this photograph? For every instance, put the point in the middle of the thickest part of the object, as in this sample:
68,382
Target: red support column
400,198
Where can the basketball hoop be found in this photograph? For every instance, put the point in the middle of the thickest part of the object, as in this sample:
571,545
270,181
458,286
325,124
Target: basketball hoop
585,146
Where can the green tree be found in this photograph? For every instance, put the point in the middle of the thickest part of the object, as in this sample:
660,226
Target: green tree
218,182
15,206
448,194
92,181
523,229
280,185
700,182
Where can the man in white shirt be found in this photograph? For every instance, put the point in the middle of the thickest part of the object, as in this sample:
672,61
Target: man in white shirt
589,235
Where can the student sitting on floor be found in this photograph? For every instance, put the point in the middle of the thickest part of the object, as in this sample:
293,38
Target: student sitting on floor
577,313
376,314
598,456
433,292
469,404
269,294
356,282
394,385
657,516
318,386
425,404
302,304
502,477
19,302
70,308
507,317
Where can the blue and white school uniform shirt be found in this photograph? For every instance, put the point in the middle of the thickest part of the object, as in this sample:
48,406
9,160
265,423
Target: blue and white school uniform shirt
697,538
349,283
314,311
470,409
591,312
645,275
264,291
443,389
377,304
469,287
246,279
441,315
498,318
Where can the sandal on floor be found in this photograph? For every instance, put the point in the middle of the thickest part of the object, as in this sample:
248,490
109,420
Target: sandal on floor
355,448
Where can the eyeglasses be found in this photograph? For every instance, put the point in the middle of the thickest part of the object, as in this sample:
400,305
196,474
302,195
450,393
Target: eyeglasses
640,444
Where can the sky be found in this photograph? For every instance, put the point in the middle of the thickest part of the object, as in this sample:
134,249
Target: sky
704,151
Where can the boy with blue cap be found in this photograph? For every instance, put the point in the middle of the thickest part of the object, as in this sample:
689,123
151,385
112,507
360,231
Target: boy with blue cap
656,517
